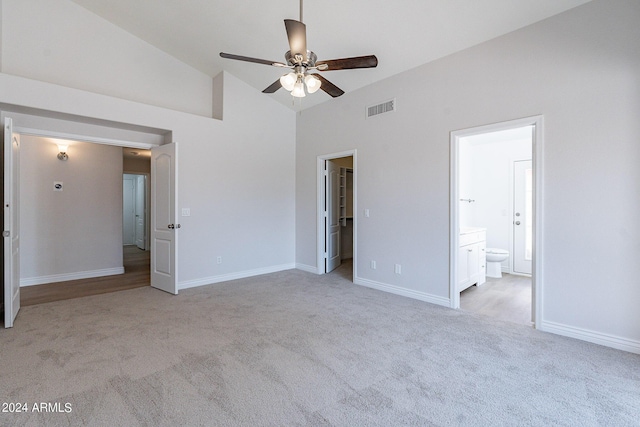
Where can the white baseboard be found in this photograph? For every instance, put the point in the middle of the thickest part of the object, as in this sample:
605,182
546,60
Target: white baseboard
307,268
422,296
607,340
54,278
233,276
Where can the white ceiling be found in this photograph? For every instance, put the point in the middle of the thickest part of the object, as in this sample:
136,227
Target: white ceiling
402,34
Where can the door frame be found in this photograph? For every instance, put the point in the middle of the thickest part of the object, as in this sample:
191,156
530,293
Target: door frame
538,187
147,205
320,191
105,141
131,217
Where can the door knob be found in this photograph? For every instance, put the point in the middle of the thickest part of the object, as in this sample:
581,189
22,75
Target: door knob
517,222
171,226
517,213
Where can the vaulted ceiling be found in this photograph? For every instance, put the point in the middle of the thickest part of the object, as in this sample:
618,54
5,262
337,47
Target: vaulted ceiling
402,34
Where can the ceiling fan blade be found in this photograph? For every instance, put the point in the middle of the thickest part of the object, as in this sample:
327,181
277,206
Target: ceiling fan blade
369,61
329,87
254,60
273,87
297,35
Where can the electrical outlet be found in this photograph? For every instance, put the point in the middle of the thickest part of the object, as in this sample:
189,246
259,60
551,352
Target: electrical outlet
373,265
398,269
219,260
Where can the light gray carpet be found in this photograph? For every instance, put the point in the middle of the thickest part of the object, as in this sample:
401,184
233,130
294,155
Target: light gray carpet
293,348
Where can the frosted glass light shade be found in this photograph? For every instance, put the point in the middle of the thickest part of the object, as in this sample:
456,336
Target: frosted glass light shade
298,89
288,81
313,83
63,148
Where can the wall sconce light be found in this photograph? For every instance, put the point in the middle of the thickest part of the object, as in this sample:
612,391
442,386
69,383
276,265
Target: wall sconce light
62,155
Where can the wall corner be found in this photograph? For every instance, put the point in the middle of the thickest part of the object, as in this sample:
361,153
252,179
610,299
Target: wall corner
218,96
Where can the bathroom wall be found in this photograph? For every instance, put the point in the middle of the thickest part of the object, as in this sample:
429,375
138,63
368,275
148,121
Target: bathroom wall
486,176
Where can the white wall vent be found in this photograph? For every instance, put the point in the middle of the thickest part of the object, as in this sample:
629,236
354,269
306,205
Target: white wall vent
385,107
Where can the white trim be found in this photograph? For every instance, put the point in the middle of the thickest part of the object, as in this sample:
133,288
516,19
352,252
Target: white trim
397,290
607,340
538,220
234,276
54,278
307,268
320,232
454,224
84,138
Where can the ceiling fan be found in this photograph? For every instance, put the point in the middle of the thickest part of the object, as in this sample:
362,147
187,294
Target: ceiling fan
301,61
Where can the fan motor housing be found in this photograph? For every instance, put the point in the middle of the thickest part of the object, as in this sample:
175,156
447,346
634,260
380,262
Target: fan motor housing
310,62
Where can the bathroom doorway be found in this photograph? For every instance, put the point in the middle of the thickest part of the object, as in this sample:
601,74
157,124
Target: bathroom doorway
495,205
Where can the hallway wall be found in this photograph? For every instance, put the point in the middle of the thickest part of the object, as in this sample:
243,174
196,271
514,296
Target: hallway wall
77,232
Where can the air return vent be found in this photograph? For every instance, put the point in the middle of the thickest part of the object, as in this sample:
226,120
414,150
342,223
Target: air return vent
385,107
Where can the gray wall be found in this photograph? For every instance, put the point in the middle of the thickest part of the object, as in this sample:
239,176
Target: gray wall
141,164
237,179
580,71
75,230
60,42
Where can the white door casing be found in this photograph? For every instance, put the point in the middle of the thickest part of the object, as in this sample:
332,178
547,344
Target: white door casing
163,215
537,288
332,209
140,214
522,216
11,232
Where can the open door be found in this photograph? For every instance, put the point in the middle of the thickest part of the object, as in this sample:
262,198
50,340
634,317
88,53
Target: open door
11,231
128,209
140,212
163,214
332,216
523,216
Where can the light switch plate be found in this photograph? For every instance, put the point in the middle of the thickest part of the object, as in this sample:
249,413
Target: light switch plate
186,211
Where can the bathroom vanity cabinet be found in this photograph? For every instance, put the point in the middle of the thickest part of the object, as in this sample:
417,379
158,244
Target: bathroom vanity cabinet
472,257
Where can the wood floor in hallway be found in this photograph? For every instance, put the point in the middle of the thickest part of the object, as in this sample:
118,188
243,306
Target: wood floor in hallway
136,274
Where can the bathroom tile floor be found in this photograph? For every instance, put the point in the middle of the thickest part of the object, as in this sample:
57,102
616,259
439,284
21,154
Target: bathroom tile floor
508,298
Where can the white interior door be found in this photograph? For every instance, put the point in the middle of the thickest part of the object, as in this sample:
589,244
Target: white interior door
140,211
128,210
163,214
523,216
332,216
11,231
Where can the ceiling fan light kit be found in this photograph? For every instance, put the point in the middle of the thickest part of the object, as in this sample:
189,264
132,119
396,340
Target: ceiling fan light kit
301,61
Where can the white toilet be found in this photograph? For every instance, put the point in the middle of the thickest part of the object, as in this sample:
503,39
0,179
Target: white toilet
494,259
